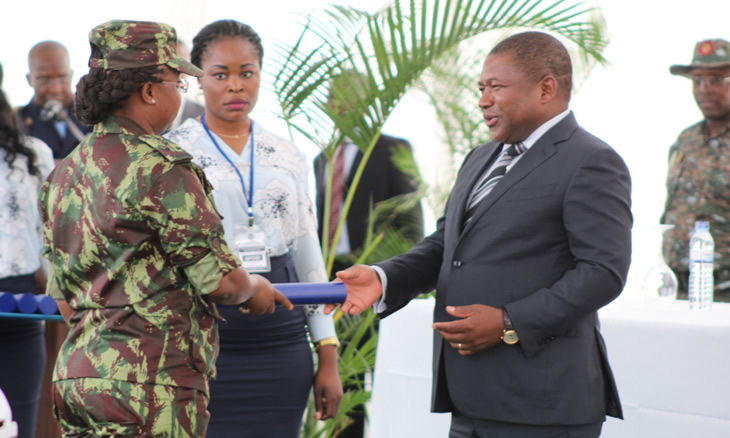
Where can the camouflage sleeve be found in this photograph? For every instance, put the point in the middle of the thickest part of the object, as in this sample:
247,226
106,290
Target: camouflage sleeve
205,275
189,226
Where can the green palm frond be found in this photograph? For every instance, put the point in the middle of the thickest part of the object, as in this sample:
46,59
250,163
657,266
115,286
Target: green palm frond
392,48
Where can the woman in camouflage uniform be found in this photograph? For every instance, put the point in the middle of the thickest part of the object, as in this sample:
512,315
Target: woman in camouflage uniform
137,252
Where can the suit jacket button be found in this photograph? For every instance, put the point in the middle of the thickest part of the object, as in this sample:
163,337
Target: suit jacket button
456,263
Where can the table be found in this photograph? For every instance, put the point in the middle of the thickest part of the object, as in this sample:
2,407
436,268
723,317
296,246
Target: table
401,398
672,368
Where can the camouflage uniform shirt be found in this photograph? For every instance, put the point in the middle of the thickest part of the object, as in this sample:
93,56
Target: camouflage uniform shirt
698,189
135,243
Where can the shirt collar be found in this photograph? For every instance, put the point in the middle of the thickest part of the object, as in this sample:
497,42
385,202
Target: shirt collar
542,129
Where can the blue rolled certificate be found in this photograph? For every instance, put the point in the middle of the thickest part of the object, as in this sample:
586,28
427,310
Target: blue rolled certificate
26,303
313,293
46,305
7,302
28,306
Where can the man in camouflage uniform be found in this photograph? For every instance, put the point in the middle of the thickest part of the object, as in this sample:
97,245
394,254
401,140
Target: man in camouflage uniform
135,245
698,187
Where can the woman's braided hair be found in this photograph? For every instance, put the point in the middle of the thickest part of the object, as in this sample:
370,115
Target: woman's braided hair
101,91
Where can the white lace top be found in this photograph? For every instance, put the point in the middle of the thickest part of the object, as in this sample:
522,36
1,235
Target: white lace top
281,203
20,234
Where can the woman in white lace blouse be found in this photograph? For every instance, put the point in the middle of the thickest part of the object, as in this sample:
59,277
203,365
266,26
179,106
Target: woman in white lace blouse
265,367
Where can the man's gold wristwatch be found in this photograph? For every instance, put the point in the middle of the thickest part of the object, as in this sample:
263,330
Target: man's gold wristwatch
509,335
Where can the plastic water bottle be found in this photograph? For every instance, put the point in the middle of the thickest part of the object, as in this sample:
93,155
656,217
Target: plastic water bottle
701,250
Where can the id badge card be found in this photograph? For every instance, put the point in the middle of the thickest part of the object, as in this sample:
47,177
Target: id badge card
251,247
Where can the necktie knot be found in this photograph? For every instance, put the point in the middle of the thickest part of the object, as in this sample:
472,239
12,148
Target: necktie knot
516,149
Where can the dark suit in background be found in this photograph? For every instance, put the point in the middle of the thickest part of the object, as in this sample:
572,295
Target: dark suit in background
32,124
380,180
546,248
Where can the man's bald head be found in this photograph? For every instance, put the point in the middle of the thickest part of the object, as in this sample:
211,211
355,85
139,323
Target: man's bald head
49,73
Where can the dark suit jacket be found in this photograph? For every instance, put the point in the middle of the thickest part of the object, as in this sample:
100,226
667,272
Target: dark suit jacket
31,123
551,244
380,180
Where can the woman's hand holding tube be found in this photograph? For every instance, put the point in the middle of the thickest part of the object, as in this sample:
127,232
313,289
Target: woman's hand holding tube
265,297
254,292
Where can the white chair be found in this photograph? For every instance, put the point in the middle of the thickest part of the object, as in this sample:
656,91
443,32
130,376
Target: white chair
8,427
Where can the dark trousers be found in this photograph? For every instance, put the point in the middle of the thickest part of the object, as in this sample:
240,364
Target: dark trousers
465,427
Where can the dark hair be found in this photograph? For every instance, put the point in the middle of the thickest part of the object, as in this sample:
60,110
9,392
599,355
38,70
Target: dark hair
11,139
220,29
101,91
538,54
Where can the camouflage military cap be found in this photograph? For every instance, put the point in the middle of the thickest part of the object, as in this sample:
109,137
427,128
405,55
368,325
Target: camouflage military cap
123,44
707,54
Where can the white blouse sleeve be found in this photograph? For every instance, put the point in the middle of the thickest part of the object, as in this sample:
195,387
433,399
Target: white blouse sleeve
307,256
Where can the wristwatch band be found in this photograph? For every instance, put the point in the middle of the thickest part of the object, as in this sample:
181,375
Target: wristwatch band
509,335
507,321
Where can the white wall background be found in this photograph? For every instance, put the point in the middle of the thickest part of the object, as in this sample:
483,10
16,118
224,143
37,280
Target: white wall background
634,103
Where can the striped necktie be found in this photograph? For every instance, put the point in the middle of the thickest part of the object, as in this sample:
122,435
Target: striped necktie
486,184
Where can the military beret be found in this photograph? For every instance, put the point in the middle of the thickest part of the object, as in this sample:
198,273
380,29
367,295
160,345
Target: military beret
123,44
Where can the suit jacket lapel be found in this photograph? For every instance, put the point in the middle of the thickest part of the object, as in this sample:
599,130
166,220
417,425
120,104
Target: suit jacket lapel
544,148
482,159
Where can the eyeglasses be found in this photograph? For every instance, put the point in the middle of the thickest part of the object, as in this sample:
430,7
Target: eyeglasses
709,81
181,85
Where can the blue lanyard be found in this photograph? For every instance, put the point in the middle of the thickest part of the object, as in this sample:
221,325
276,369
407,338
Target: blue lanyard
249,199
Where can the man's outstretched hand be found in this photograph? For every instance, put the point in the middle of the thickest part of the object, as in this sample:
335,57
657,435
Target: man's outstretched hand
363,289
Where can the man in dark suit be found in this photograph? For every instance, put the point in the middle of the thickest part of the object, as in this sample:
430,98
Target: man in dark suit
50,114
381,180
530,246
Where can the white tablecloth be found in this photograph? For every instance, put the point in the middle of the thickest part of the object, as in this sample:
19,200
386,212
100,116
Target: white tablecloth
672,367
401,400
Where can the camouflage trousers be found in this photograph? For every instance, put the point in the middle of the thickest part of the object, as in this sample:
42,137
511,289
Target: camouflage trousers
92,407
